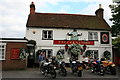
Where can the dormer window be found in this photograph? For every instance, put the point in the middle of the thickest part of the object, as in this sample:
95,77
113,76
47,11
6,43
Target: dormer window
47,34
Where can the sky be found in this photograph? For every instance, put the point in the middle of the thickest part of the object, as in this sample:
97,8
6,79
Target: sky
14,13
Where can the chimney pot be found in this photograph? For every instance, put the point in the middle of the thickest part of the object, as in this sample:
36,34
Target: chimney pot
99,12
32,8
100,6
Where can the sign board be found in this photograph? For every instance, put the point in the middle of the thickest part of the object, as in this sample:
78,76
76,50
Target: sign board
104,37
15,53
73,42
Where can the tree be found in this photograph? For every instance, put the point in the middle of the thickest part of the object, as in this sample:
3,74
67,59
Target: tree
115,9
116,42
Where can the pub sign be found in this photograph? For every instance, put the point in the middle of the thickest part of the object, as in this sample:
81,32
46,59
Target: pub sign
104,37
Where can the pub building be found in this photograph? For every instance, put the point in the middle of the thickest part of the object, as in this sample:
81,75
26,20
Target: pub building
56,31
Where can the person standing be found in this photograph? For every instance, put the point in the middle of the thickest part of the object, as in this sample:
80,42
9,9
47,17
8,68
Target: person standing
41,59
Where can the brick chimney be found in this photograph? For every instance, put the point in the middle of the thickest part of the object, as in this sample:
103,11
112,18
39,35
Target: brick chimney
99,12
32,8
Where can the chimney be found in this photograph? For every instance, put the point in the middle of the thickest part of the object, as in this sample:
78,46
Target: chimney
32,8
99,12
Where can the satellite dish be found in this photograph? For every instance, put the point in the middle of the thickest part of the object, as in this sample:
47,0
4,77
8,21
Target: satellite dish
116,1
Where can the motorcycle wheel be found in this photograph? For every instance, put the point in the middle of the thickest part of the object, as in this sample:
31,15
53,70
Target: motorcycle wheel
64,72
80,73
113,71
102,72
92,70
53,74
73,71
42,71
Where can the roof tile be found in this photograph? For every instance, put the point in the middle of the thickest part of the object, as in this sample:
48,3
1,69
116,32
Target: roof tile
55,20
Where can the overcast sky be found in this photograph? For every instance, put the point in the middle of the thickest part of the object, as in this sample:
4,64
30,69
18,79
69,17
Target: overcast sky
14,13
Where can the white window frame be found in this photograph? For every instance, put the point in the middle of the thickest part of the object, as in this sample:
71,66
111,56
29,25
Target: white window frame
2,48
94,36
43,38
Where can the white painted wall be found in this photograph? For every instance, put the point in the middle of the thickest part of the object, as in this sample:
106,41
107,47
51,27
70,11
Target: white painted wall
61,34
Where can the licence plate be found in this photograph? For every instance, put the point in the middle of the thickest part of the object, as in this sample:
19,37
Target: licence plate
79,68
113,65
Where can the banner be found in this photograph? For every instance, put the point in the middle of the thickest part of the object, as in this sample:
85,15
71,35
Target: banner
73,42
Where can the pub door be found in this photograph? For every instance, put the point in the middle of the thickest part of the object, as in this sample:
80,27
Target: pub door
30,57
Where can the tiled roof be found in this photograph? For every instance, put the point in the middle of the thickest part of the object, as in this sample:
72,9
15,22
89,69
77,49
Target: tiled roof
55,20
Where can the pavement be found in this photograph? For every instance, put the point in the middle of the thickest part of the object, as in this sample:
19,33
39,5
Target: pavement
33,73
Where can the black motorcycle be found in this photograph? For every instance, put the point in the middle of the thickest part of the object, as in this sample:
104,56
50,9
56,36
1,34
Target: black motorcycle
55,62
76,67
97,67
48,68
62,69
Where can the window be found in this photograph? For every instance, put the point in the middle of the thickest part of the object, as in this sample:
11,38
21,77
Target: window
92,54
2,51
48,52
92,36
47,35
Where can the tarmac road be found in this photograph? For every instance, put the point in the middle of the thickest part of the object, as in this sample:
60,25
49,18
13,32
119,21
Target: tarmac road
34,74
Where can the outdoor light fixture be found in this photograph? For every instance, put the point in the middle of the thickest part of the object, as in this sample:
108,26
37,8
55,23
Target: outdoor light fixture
84,47
66,47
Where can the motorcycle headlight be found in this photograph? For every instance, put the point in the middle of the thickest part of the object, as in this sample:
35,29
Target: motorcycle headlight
54,67
113,65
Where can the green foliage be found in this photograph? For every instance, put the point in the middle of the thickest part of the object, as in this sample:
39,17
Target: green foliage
115,9
107,54
60,54
116,41
74,49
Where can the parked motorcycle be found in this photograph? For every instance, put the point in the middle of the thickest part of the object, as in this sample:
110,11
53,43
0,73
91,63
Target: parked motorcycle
62,69
109,67
76,67
97,67
48,68
55,62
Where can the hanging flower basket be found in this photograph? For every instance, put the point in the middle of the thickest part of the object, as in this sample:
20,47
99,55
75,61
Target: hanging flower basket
107,54
75,49
60,54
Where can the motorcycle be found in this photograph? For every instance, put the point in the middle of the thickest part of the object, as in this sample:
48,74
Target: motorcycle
55,62
62,69
76,67
97,67
109,67
48,68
